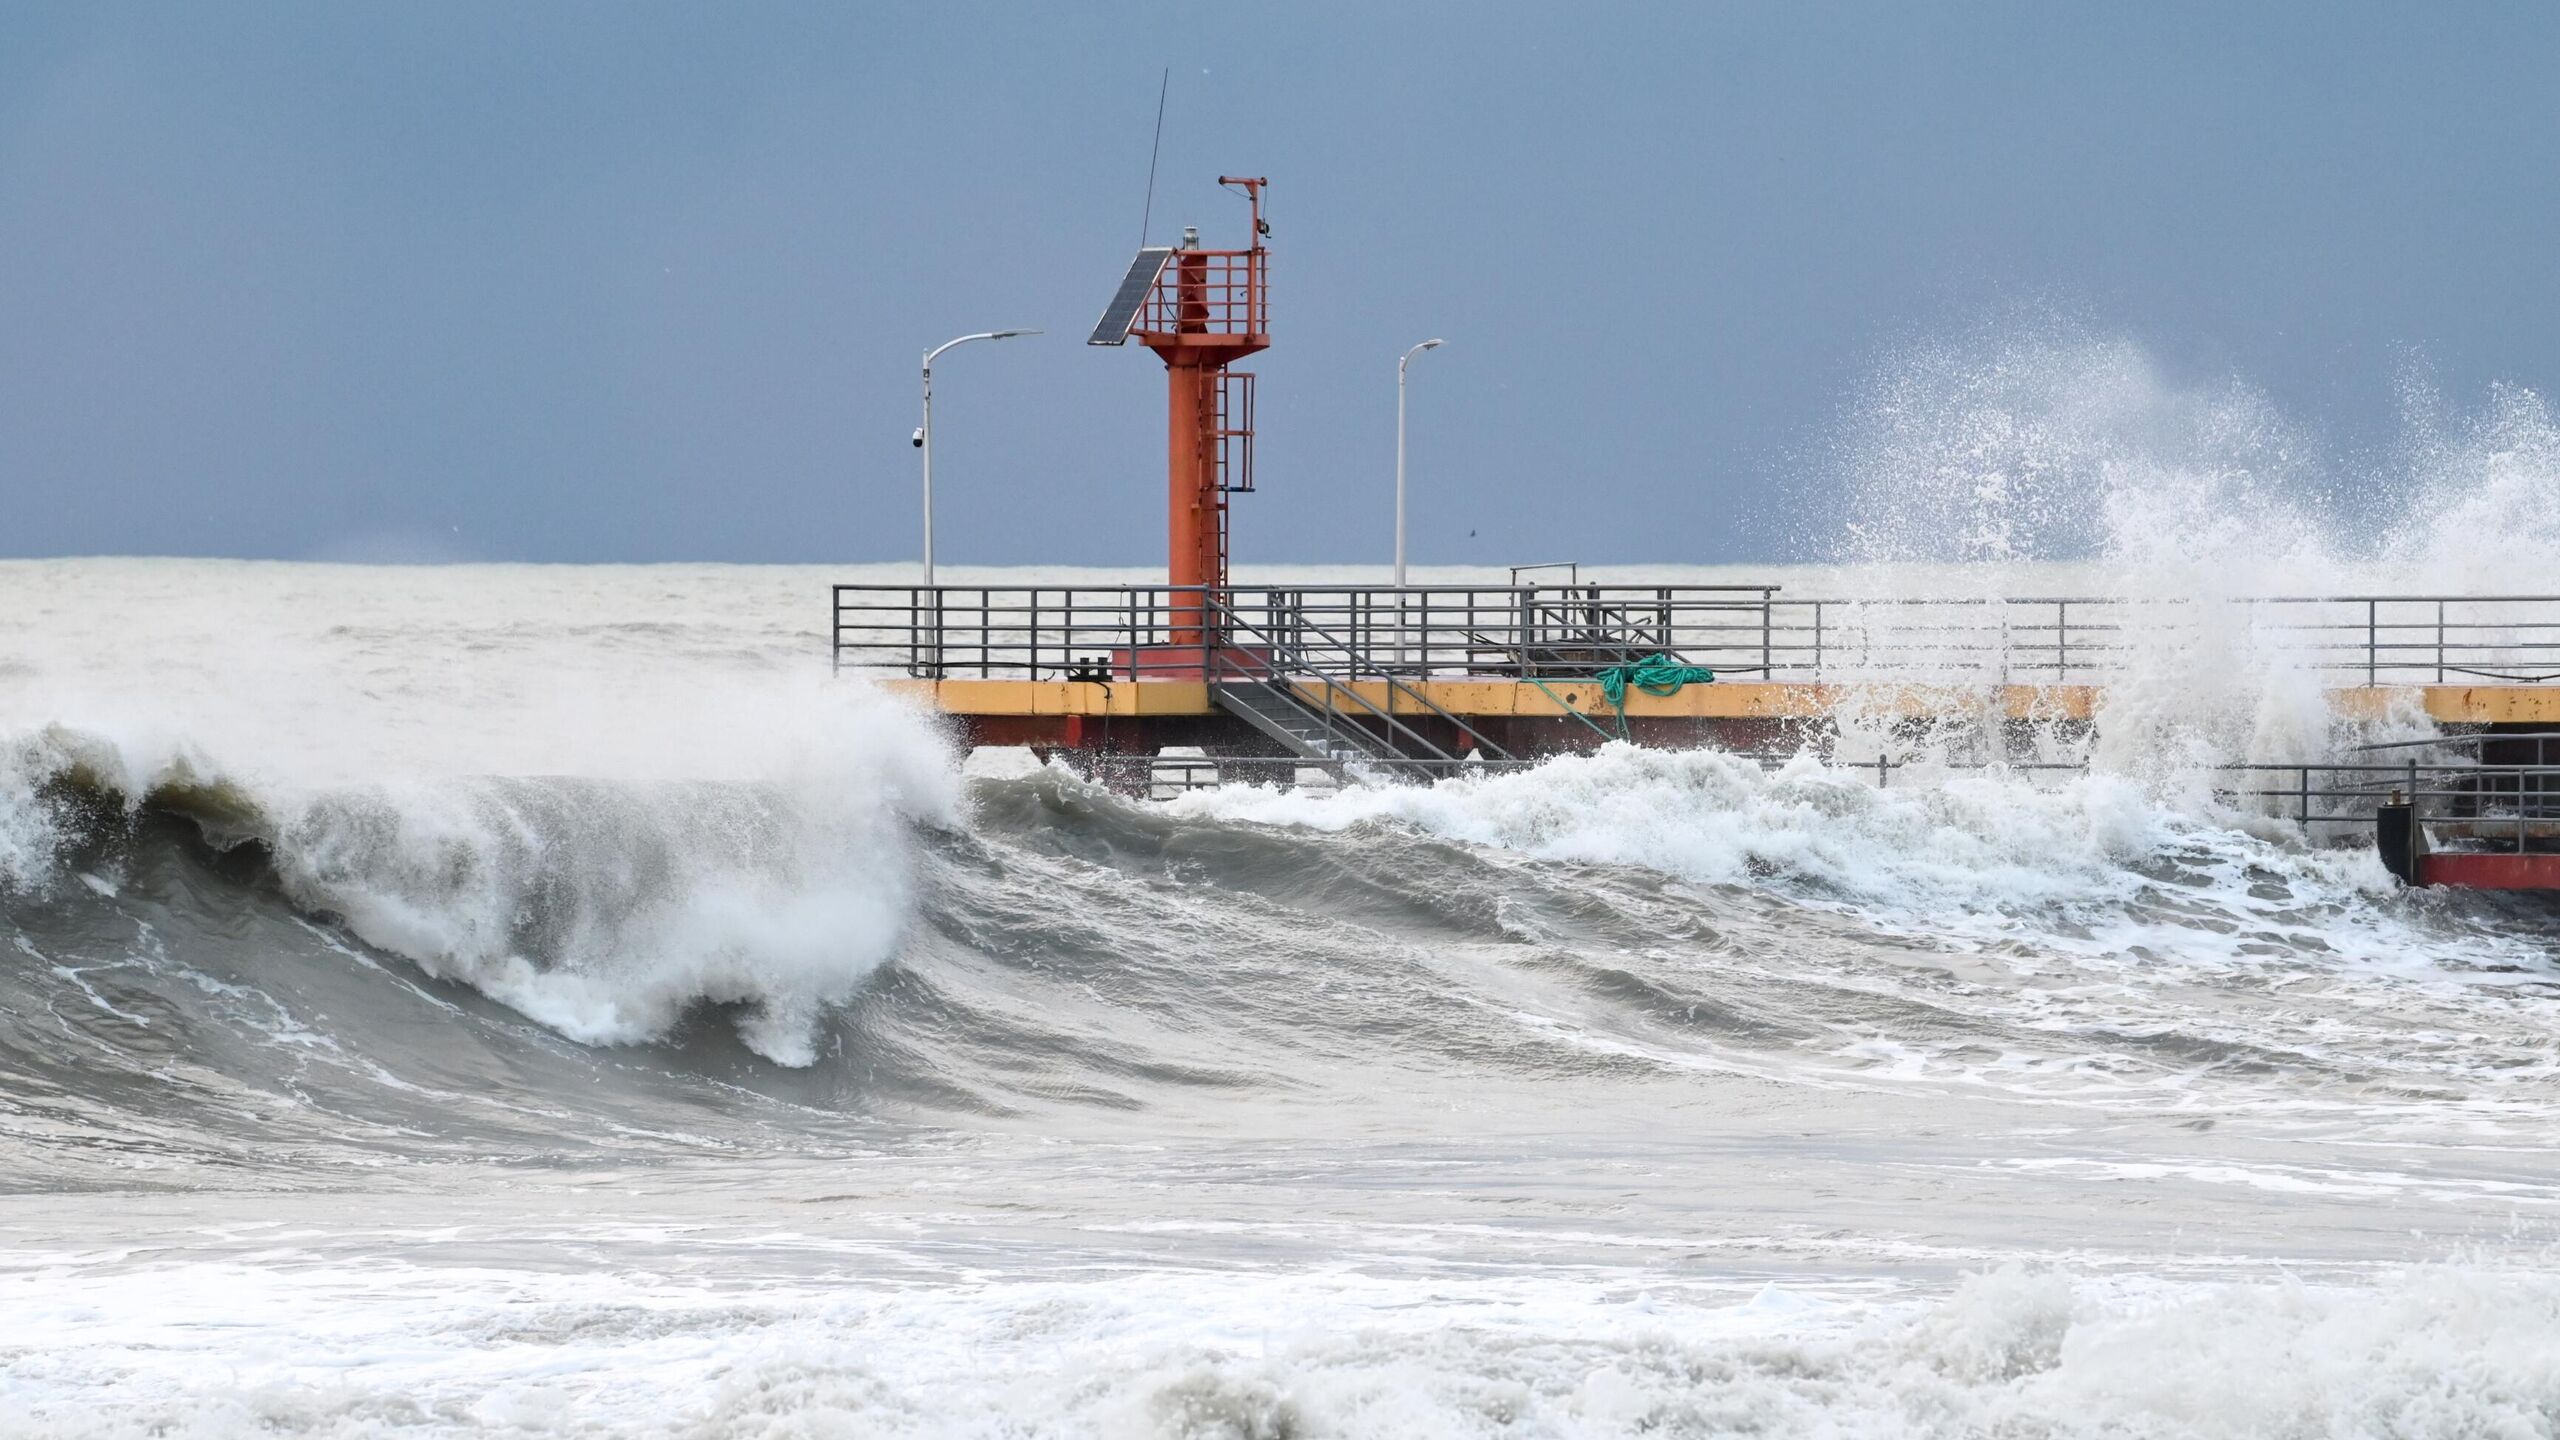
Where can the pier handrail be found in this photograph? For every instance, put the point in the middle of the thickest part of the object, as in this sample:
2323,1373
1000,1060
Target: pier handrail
1742,632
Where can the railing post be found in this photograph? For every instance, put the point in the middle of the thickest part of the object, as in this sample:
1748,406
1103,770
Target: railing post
928,608
2305,802
2061,640
2371,658
2439,641
1817,639
1768,620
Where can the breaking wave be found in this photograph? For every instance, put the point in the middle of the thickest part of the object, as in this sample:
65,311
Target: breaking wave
605,908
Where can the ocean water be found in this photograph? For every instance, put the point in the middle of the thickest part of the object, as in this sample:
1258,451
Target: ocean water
524,1000
542,1001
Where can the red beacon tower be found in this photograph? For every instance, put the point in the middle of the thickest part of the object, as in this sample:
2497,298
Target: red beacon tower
1200,311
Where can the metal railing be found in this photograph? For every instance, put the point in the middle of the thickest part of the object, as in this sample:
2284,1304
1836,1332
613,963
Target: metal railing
1208,292
1127,632
1741,631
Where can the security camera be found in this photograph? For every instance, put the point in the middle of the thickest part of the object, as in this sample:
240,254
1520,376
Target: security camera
917,439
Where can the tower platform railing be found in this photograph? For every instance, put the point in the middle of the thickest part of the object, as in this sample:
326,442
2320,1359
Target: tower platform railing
1742,632
1210,293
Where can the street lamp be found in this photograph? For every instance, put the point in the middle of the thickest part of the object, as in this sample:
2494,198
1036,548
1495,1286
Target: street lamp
1400,364
924,432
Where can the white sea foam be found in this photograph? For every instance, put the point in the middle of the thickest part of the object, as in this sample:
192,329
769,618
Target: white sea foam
2086,864
224,1351
1997,843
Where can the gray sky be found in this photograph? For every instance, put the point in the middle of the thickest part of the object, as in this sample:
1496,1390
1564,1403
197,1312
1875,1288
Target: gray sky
642,282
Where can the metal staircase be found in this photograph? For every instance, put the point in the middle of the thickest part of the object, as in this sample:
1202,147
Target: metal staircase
1300,728
1265,678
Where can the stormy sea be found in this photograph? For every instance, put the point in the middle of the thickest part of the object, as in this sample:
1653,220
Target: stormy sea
546,1001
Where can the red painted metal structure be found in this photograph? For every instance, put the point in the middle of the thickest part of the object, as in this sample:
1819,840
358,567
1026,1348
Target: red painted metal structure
1209,309
2490,870
2478,858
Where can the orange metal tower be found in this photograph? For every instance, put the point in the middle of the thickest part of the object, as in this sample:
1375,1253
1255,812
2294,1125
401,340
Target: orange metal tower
1200,311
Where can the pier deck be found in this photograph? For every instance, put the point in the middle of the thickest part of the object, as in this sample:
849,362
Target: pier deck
1435,673
1725,700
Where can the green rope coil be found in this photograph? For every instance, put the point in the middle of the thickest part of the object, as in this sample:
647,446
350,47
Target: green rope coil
1654,675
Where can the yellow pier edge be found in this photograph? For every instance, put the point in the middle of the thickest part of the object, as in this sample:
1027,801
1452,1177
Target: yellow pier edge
1722,700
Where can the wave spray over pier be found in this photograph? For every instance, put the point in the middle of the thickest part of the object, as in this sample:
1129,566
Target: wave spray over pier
2049,559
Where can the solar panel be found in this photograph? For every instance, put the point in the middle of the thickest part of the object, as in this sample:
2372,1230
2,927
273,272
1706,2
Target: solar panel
1123,310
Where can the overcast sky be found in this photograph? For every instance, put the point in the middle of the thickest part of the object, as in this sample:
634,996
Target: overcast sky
647,282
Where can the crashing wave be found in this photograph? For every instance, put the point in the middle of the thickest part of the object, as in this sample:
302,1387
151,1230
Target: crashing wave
603,908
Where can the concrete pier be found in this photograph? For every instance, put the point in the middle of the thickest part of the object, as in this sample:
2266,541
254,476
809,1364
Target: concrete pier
1529,718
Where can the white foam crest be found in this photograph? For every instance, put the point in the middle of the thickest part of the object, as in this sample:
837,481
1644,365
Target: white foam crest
2089,865
1970,842
32,829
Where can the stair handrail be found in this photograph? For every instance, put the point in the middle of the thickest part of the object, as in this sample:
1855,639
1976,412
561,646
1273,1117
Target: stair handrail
1292,651
1332,744
1399,687
1328,719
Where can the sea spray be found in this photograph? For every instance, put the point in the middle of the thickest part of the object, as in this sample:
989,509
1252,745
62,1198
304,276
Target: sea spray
2478,508
2173,506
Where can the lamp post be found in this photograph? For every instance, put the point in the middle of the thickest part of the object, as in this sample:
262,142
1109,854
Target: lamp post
1400,364
924,432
